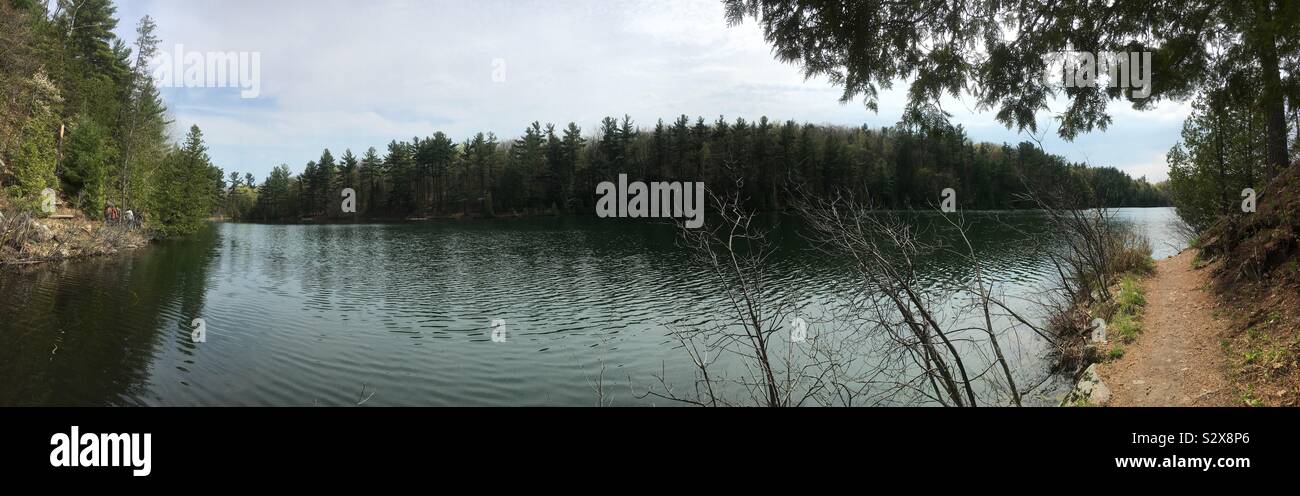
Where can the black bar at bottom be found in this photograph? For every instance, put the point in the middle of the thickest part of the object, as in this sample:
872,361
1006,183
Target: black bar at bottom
229,445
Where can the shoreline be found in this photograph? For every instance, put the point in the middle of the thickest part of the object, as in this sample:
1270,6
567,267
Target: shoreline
27,241
521,215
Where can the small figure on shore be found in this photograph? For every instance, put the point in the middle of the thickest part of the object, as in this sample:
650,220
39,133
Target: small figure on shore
130,219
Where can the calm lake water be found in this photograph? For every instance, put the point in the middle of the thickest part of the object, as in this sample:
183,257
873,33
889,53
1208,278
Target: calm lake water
401,314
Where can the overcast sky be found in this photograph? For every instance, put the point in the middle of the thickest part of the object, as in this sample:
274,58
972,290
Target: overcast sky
347,74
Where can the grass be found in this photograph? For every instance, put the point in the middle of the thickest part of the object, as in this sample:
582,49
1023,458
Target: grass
1116,353
1126,314
1248,397
1126,328
1126,321
1198,262
1119,303
1263,353
1274,317
1131,298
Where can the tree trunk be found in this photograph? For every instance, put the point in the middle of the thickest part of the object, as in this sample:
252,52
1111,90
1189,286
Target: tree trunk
1225,201
1274,104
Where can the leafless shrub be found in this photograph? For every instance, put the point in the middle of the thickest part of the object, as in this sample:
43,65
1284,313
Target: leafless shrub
933,352
901,338
15,229
1184,233
770,370
1090,249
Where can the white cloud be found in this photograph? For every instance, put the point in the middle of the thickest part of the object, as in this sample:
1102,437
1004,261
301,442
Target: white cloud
344,74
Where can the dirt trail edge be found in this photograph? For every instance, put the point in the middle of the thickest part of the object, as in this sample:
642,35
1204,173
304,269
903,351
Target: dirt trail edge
1177,360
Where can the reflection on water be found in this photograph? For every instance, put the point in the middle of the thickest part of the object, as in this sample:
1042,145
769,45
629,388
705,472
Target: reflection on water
96,332
311,315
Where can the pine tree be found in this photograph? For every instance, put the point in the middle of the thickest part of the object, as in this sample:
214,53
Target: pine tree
529,155
143,121
371,180
184,196
399,165
86,165
572,147
441,156
273,196
322,184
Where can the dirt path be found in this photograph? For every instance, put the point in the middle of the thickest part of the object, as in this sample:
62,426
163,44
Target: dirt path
1178,359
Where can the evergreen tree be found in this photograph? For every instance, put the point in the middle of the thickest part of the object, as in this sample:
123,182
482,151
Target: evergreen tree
273,199
34,160
371,173
1220,155
322,184
400,167
945,48
184,196
529,156
143,131
86,166
898,167
571,149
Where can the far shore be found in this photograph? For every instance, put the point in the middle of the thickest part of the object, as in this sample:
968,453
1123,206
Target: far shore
528,215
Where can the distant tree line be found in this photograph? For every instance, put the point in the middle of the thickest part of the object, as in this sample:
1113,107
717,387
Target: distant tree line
552,170
1238,62
80,114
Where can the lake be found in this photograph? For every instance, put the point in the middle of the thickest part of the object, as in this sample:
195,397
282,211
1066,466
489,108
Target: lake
401,314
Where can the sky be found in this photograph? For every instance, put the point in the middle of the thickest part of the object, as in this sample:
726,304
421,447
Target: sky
343,74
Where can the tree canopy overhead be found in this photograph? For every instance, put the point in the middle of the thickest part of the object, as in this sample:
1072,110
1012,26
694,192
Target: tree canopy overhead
994,50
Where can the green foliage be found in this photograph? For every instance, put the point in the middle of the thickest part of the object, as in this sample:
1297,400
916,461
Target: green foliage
543,171
1264,354
89,150
944,48
63,68
1125,322
1131,298
33,154
1126,327
1220,154
274,198
184,196
18,62
20,204
1116,352
1236,58
93,62
1248,397
1198,262
400,167
34,161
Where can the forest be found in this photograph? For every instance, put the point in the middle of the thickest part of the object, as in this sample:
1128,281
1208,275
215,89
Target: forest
552,170
80,114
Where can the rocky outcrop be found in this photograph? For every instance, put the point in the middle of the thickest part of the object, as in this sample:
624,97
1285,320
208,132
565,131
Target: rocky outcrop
1090,391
